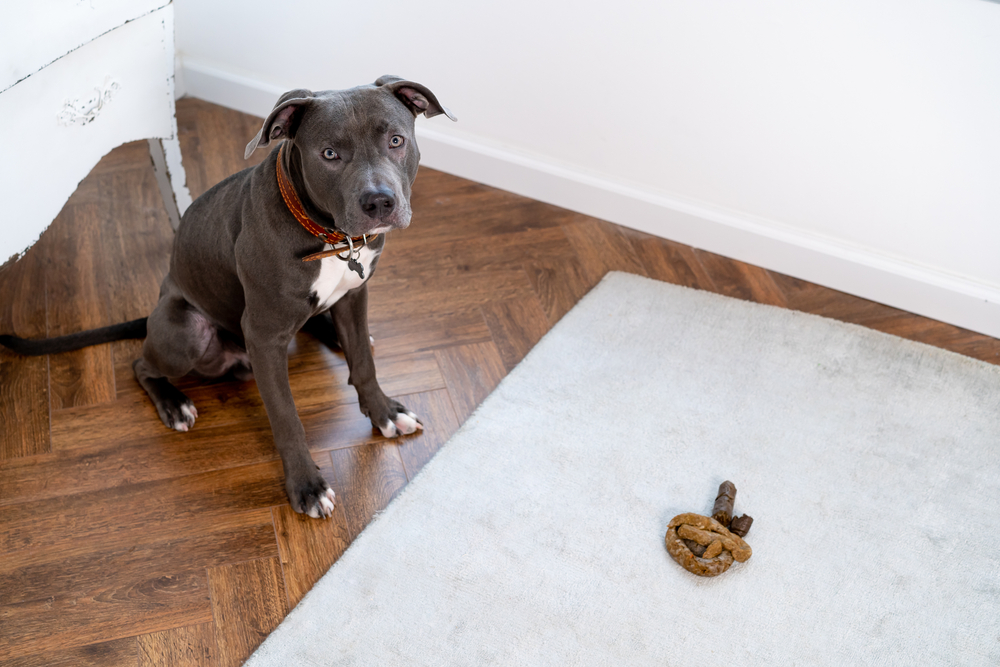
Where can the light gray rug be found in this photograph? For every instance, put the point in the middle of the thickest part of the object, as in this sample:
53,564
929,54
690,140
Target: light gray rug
870,464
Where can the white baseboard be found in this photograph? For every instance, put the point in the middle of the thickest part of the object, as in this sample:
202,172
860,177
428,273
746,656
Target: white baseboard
227,88
858,271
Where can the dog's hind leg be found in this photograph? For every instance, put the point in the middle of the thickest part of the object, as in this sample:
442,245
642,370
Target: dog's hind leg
176,344
175,409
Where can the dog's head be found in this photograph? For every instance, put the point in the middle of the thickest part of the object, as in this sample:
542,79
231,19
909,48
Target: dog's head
353,152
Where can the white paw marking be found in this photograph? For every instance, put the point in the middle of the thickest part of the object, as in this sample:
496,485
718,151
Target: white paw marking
325,507
404,424
188,415
407,423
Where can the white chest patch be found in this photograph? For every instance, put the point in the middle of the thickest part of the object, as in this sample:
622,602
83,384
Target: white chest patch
335,279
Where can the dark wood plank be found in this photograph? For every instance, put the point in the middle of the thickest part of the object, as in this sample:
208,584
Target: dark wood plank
602,247
559,282
741,280
440,423
309,547
557,274
24,406
127,157
132,564
368,478
117,653
516,325
462,274
24,381
136,240
189,646
126,585
339,427
669,261
440,327
77,300
443,204
963,341
121,461
123,354
32,534
248,602
213,140
22,296
471,373
127,590
163,602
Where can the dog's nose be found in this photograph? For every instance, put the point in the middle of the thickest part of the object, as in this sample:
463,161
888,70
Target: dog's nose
378,203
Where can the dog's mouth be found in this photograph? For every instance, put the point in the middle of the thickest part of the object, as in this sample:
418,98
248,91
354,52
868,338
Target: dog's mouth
361,225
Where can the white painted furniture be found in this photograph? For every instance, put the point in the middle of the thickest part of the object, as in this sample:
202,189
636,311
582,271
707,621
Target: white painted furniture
78,78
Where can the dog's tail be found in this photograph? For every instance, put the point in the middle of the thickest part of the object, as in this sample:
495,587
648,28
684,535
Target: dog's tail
34,347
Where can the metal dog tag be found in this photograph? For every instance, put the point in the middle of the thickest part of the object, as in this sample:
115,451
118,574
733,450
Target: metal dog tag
356,266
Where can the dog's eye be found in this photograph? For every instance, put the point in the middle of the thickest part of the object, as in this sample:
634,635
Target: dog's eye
396,141
330,154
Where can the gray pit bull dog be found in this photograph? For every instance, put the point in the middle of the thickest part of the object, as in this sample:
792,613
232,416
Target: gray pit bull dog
238,289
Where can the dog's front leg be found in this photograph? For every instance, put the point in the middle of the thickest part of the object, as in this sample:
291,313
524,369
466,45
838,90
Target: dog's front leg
307,491
350,317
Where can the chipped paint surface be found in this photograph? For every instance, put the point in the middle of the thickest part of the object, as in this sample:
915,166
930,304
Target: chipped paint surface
65,25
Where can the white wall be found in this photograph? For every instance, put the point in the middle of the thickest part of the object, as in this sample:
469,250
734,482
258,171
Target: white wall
854,143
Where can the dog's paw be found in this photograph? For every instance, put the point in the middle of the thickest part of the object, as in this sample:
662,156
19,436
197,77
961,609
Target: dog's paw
315,499
177,413
322,507
389,416
403,423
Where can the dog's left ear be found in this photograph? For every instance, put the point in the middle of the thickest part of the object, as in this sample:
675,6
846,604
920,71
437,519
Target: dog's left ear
283,119
417,98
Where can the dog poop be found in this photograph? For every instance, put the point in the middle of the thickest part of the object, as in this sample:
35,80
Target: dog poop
695,548
723,510
708,546
740,525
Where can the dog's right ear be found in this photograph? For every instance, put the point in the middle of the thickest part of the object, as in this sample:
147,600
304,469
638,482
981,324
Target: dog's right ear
283,119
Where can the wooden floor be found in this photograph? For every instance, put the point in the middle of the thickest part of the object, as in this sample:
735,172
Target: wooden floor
123,543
